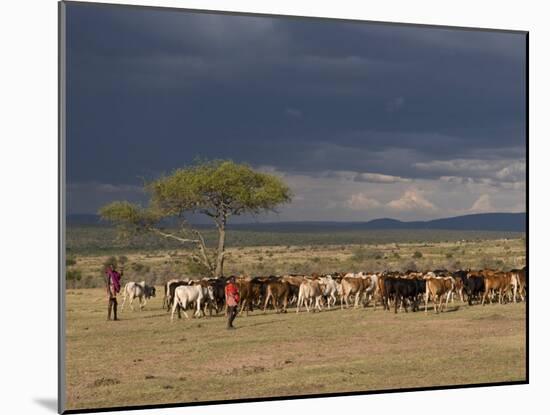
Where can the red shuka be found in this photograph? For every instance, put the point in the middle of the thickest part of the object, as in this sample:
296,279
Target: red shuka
231,294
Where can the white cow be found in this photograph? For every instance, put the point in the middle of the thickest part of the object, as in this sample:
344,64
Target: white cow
330,289
371,288
138,290
185,294
309,290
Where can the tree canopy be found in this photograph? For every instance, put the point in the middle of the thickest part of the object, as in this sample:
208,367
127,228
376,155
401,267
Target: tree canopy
218,189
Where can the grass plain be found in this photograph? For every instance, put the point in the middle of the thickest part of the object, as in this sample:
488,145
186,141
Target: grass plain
145,359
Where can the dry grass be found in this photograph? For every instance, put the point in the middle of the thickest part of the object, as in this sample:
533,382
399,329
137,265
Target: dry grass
277,260
144,359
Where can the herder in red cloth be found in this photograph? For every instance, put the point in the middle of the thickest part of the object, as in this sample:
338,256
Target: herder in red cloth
232,301
113,288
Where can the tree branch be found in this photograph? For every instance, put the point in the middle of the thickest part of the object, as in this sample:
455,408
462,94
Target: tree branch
171,236
202,248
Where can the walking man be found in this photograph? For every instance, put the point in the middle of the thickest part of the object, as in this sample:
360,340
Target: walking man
113,288
232,301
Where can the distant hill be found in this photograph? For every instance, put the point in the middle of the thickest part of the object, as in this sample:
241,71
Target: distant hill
505,222
511,222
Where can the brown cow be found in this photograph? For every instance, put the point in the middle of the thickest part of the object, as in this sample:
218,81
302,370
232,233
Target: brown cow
437,288
498,281
519,283
251,292
278,292
459,289
294,282
353,284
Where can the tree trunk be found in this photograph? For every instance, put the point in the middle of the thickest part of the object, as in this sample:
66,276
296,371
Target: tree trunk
221,250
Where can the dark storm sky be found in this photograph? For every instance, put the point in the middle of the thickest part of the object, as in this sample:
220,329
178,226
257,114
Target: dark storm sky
362,120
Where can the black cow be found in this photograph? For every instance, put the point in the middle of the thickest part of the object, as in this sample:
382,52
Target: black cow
474,285
405,289
218,288
410,290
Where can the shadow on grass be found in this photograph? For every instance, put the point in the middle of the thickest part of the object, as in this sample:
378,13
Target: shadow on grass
259,324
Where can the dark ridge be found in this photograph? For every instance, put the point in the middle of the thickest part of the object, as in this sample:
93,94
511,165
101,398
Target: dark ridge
504,222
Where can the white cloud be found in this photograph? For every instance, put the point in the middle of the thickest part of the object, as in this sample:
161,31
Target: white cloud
360,201
482,204
412,199
462,167
513,173
502,170
379,178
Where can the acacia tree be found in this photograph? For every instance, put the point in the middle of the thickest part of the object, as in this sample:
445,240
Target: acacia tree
218,189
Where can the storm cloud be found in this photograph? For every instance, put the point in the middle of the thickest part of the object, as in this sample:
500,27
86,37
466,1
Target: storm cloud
362,120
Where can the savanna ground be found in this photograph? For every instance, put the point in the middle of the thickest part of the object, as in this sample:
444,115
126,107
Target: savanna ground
145,359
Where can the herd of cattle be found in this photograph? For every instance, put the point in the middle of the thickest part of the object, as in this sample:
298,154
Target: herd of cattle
314,292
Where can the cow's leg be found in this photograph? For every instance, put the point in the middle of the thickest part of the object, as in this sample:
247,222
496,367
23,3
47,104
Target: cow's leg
449,294
483,297
199,309
243,304
441,298
267,297
184,307
276,304
141,305
123,302
174,306
426,297
396,301
131,302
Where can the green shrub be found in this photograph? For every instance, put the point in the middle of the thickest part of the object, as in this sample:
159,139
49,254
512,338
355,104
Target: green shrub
73,276
359,254
417,254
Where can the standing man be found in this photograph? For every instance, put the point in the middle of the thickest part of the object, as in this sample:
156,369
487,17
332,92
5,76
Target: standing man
231,300
113,287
